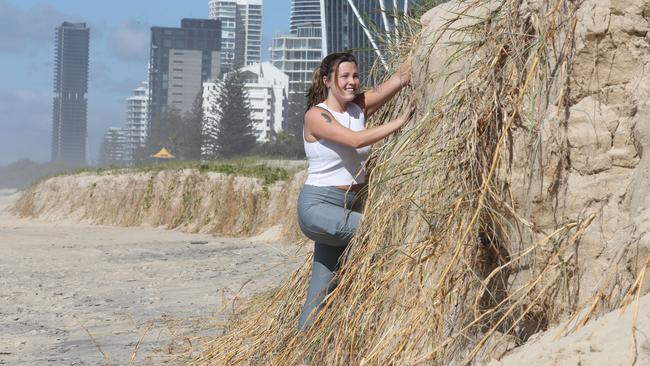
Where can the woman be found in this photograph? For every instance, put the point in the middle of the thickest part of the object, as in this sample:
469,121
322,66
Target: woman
337,145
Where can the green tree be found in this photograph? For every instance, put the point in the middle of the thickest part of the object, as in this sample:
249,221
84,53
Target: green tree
103,149
189,134
209,148
179,133
289,142
294,124
141,155
235,134
165,132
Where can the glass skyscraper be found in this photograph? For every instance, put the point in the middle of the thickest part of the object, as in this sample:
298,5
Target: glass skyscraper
351,25
69,111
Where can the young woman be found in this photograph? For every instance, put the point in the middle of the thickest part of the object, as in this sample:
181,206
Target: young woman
337,145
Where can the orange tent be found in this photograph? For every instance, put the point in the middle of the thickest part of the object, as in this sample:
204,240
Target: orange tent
163,154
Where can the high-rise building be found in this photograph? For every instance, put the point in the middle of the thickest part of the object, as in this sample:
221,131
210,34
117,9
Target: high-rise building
348,25
297,55
113,147
226,12
249,47
137,116
181,60
69,111
241,31
304,13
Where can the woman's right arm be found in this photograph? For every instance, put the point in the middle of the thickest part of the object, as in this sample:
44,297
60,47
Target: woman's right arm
320,124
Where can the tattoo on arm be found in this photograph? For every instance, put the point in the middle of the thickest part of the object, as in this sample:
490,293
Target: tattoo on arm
327,118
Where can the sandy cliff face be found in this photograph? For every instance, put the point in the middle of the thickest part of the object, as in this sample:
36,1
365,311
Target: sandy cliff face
592,157
603,142
178,199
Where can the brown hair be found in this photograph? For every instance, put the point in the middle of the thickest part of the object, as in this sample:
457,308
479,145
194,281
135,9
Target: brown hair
330,64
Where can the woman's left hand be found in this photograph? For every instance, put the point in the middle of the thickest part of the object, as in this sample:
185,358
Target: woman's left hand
404,72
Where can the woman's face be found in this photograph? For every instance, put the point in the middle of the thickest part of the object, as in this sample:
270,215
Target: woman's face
347,82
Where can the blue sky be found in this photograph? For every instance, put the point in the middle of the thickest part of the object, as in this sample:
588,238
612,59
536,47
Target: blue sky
119,50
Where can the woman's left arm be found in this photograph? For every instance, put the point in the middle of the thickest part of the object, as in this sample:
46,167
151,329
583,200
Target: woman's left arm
375,98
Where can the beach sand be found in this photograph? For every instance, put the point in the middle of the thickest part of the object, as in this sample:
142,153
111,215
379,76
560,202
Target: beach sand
79,294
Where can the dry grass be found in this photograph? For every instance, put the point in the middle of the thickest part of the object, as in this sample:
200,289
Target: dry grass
445,267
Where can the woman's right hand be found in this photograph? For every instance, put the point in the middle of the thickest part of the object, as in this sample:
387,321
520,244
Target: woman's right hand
408,113
404,72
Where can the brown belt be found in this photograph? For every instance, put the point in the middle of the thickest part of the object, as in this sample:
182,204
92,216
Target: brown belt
352,188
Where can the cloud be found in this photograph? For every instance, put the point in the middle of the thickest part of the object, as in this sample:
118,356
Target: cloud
22,30
26,123
130,41
102,78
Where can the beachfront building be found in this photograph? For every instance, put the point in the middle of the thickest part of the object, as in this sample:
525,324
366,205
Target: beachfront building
304,13
181,60
113,147
137,115
70,102
298,53
241,35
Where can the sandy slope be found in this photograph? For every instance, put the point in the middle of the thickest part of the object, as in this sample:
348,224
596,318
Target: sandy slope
59,279
613,339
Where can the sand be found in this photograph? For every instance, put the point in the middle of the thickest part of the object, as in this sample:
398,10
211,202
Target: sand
80,294
616,338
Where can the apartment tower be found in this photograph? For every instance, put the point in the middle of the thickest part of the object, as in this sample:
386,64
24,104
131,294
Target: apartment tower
113,152
69,110
137,117
304,13
241,22
181,59
298,53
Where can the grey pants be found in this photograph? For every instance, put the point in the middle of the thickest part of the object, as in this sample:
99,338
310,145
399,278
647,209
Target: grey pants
328,216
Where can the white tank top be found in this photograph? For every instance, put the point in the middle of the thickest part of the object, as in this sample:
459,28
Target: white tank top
332,164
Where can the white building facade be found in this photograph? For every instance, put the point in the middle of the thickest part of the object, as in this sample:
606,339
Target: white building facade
268,95
304,13
241,31
297,55
137,117
113,149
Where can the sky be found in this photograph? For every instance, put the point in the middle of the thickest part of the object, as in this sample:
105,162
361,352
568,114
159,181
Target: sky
119,52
